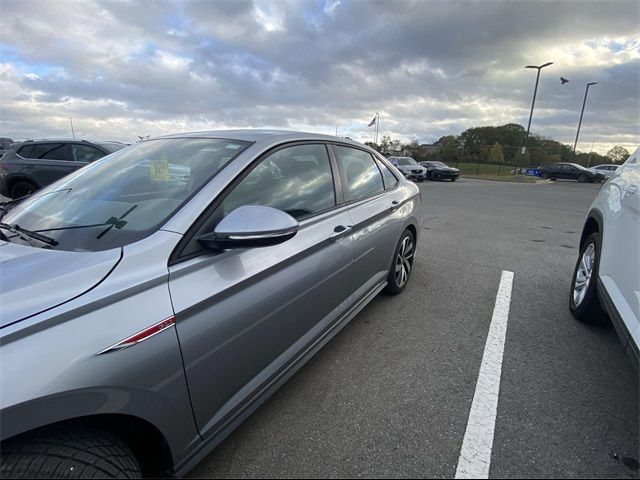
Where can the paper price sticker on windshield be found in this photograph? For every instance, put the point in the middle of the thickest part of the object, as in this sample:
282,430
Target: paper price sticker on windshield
159,170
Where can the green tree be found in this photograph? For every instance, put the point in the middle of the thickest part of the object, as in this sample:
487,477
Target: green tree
496,155
618,154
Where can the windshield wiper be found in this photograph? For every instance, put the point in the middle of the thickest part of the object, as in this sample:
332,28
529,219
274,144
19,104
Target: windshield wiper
25,234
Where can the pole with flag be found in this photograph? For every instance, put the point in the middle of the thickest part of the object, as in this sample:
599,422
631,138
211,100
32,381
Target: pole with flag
376,122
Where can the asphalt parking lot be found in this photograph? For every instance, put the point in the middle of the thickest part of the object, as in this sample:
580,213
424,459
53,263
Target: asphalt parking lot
390,395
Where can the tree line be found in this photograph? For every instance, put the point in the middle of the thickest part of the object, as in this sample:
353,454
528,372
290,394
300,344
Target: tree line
499,145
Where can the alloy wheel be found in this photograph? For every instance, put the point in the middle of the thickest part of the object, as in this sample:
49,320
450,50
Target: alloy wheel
583,274
404,261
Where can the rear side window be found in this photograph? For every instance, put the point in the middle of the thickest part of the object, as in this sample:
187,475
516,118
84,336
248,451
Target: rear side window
297,180
390,180
363,178
85,153
47,151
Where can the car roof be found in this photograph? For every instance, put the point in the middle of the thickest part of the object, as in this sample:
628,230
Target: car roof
260,136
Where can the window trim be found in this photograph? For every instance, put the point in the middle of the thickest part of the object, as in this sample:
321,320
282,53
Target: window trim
176,255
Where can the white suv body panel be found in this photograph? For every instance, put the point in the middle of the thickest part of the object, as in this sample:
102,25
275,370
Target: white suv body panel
619,271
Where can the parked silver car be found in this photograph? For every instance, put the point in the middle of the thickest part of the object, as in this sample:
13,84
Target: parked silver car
145,314
409,168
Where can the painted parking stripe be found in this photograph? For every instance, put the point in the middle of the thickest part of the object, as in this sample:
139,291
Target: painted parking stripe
475,455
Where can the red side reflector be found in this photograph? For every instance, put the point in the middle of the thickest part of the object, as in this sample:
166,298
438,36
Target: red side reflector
141,336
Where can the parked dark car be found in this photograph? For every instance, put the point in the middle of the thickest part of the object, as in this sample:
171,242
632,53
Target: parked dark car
440,171
31,165
5,143
409,168
570,171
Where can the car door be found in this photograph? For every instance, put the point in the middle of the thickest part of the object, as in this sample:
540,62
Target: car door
244,315
48,162
376,227
620,262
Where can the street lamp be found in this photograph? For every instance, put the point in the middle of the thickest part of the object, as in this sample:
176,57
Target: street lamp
584,102
535,90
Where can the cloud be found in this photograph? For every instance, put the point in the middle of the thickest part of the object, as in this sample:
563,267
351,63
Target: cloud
430,68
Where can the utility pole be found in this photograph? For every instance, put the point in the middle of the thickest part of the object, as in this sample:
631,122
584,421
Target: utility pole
73,134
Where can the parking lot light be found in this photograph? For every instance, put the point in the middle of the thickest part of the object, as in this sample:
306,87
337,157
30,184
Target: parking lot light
535,90
584,102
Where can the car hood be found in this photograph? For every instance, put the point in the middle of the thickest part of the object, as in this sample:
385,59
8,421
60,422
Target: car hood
36,279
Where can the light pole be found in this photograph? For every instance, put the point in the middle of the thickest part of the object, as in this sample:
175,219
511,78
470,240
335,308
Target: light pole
584,102
535,90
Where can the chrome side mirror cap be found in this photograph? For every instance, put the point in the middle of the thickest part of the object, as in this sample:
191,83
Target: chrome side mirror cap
251,226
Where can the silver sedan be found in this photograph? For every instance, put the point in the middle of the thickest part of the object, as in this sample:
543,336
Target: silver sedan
155,298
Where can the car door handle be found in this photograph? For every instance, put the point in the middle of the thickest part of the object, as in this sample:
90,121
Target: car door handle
630,189
340,232
395,205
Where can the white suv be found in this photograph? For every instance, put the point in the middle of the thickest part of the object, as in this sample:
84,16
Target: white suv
607,275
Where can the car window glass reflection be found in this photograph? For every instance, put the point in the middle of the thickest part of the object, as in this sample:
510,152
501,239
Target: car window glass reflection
296,180
362,174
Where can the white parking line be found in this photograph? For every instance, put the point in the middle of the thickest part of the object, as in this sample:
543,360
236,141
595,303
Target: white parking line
475,454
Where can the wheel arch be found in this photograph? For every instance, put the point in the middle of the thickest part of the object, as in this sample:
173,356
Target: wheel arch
592,224
145,441
125,413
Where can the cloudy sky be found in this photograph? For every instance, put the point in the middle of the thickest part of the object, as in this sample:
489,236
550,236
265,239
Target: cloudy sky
430,68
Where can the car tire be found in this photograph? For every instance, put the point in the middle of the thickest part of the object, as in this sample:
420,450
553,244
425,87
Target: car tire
544,176
582,178
21,188
403,257
429,176
584,302
453,179
80,451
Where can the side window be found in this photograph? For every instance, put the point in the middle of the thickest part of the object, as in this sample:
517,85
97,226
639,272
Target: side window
390,180
85,153
48,151
26,151
296,180
361,173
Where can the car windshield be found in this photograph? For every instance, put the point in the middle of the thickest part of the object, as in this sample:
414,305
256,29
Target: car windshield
125,196
406,161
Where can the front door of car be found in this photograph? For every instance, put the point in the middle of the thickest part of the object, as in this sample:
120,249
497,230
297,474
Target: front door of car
373,209
244,315
621,252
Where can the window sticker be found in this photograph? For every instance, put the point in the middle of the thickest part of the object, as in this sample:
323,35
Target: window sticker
159,169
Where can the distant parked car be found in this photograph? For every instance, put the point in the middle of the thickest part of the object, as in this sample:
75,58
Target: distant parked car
409,168
570,171
606,170
440,171
607,274
31,165
5,143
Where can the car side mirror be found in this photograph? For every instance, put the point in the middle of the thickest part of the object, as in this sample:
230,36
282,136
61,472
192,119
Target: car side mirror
251,226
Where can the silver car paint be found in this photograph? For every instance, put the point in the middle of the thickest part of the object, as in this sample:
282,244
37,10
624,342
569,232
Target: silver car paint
245,319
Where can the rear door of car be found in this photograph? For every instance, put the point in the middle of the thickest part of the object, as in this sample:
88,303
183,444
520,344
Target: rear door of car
244,315
620,261
46,162
373,206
